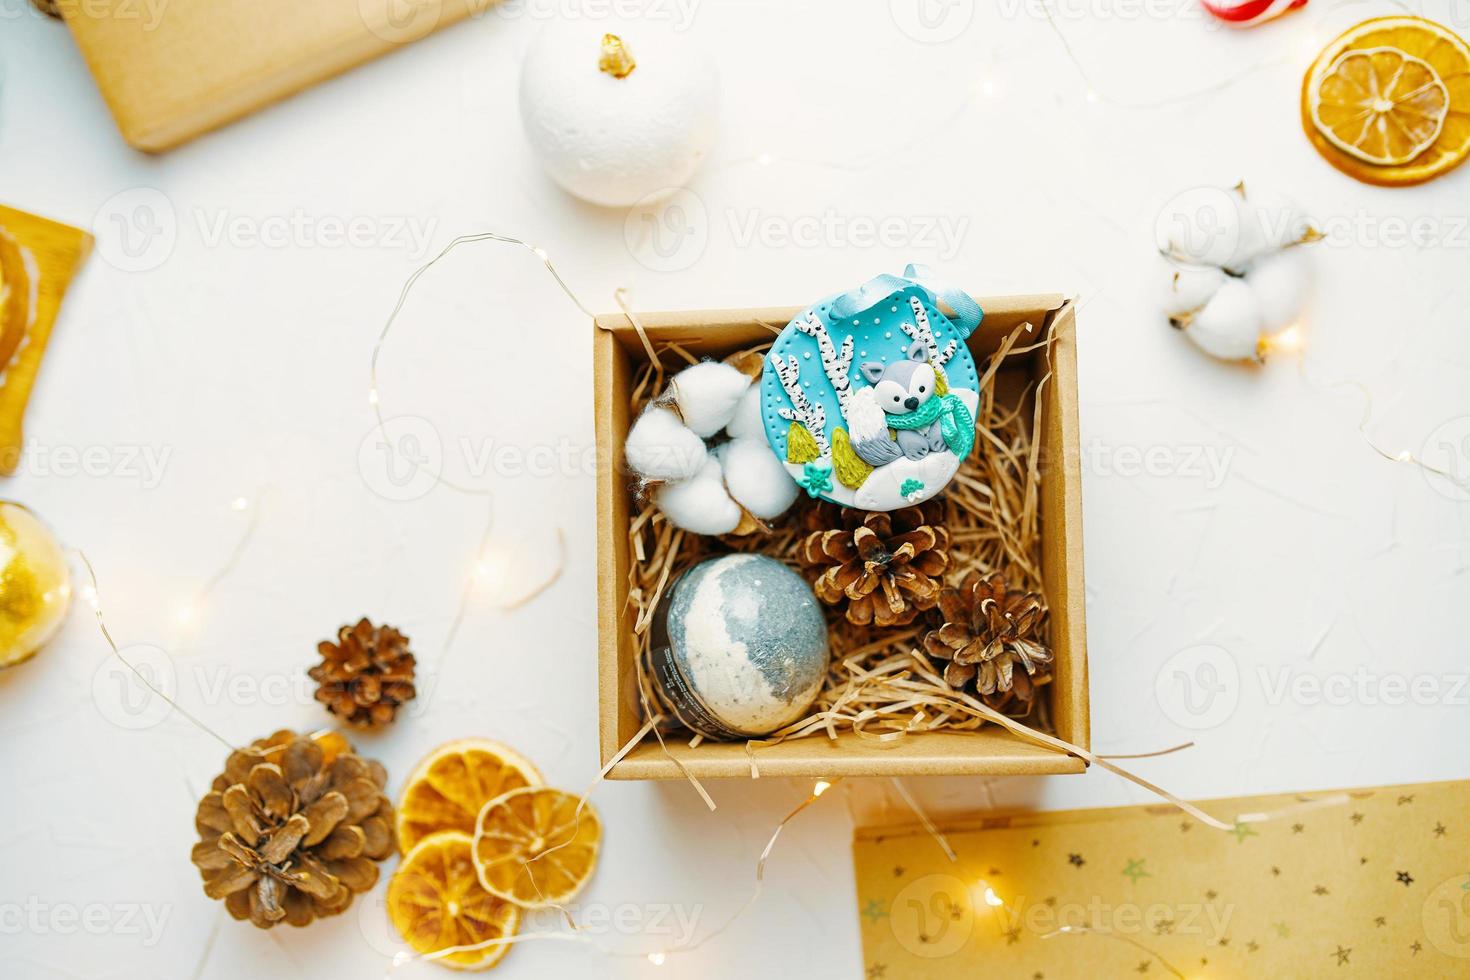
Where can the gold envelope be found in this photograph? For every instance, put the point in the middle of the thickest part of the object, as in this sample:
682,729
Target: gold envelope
1362,883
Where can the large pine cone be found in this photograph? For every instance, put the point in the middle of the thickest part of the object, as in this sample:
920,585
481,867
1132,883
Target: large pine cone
886,567
988,632
366,675
291,833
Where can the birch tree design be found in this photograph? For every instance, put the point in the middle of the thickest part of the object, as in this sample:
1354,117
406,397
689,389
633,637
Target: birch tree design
921,330
803,411
835,363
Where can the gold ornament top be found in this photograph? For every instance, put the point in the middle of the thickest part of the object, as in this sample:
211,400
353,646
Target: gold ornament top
35,584
616,59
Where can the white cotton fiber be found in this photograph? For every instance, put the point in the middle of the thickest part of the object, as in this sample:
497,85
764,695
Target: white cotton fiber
756,478
701,505
660,447
1280,282
707,394
747,420
1229,326
1189,289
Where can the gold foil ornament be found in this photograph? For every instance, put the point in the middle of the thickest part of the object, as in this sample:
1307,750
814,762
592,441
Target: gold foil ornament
616,59
35,584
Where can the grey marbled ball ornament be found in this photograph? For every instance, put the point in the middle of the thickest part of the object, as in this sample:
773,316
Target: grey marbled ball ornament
739,647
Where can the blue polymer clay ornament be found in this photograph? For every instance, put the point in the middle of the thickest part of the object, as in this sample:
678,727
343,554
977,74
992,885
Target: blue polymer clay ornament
869,396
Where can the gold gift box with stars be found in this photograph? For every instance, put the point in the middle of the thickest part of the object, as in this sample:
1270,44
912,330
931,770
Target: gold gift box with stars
1357,883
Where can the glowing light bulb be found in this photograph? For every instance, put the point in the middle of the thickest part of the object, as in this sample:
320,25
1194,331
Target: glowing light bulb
657,959
373,395
765,159
185,614
1092,95
240,503
821,787
89,596
540,253
1405,456
1286,341
494,572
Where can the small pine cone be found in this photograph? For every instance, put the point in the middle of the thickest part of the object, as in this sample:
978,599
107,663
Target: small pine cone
885,568
293,829
366,675
987,631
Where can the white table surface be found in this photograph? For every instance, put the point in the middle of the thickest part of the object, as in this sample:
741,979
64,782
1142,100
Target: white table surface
236,362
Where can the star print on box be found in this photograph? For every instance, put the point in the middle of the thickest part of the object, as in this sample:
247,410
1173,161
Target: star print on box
1294,898
1134,871
869,397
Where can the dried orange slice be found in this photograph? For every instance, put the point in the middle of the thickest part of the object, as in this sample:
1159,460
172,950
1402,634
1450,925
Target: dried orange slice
535,846
1381,105
436,903
449,788
1388,102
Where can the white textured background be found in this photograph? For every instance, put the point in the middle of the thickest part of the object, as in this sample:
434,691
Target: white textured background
243,365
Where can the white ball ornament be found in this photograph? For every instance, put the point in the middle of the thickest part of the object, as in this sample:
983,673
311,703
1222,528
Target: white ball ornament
616,118
701,505
660,447
707,394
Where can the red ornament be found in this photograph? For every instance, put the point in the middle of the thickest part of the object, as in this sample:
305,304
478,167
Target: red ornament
1249,13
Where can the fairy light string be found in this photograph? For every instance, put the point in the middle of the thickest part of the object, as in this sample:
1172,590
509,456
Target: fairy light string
575,934
1120,937
188,613
91,594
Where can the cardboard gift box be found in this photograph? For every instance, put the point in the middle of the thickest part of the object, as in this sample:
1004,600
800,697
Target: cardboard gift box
173,69
618,352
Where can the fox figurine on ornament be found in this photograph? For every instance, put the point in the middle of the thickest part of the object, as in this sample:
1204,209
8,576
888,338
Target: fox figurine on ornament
902,424
902,397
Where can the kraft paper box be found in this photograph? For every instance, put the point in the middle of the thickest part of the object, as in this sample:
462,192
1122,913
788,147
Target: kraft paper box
173,69
618,352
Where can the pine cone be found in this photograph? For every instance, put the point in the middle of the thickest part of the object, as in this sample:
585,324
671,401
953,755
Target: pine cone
286,833
886,567
987,632
366,675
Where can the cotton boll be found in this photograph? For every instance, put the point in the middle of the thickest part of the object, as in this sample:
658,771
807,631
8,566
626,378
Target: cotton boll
1201,226
1280,282
707,394
701,505
1229,326
747,420
660,447
756,478
1190,289
1270,221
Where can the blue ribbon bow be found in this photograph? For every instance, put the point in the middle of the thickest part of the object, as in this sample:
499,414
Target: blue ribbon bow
967,312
